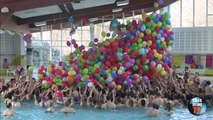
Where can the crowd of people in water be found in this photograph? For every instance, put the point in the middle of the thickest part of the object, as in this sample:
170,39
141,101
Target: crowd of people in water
166,93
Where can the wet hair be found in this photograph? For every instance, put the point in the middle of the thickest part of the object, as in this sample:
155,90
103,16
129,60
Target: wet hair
168,106
4,88
38,99
119,100
108,97
50,96
141,95
60,87
12,80
208,83
155,106
143,103
131,102
8,105
67,102
15,99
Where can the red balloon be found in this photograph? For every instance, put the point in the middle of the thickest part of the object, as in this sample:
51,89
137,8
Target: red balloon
148,19
75,45
42,67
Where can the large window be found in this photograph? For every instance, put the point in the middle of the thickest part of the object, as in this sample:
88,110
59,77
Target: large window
192,13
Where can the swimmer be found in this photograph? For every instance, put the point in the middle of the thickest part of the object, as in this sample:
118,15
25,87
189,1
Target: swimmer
168,109
8,111
67,108
16,103
153,111
51,108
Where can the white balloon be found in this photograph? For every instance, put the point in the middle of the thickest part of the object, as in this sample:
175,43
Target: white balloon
147,61
90,84
119,72
159,66
144,43
122,68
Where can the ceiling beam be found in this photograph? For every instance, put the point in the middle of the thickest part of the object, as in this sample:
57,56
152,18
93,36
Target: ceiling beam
83,12
99,13
20,5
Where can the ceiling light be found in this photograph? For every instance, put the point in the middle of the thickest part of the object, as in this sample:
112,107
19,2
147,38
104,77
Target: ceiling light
4,10
93,19
122,3
117,10
38,24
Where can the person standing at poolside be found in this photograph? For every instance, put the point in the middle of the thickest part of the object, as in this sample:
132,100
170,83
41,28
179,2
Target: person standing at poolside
6,64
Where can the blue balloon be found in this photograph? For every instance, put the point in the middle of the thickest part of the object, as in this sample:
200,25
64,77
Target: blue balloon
158,36
157,41
168,22
119,55
142,51
158,46
103,72
166,59
162,28
171,37
114,75
71,20
108,34
156,20
113,35
143,28
101,57
128,35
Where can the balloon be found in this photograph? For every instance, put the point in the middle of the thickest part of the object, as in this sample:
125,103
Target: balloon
90,84
31,68
163,73
68,43
40,76
119,87
70,20
103,34
156,5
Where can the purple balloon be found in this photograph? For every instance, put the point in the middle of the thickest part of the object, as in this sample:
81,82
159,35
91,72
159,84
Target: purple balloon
160,2
145,78
73,41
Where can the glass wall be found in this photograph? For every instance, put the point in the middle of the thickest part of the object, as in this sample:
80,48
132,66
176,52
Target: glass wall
192,13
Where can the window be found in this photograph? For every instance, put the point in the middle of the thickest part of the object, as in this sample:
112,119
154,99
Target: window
187,13
200,12
175,14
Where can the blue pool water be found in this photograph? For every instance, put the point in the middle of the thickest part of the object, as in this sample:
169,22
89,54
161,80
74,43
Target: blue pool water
31,112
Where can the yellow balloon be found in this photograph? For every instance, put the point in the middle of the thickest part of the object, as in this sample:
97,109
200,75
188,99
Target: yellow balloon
149,42
128,21
119,87
148,31
141,35
159,24
103,34
156,5
144,15
167,27
153,34
49,62
163,73
49,70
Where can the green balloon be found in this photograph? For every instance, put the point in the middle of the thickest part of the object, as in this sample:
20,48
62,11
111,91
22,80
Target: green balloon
74,54
80,64
82,72
86,71
120,50
145,67
80,84
67,58
135,67
91,44
139,40
46,86
31,68
40,76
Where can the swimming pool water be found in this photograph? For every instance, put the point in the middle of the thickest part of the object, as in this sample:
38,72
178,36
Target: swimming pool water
29,111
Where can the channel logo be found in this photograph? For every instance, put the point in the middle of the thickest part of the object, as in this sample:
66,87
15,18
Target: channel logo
197,106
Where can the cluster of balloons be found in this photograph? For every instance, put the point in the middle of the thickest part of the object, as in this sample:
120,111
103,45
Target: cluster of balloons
132,53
